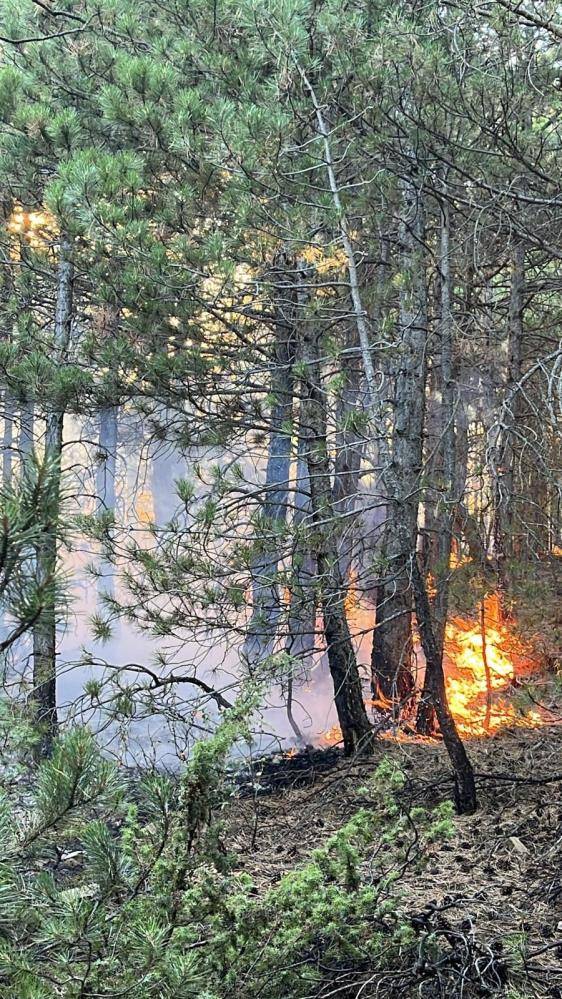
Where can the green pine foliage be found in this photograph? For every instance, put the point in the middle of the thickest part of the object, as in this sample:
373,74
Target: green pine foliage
177,150
24,508
104,894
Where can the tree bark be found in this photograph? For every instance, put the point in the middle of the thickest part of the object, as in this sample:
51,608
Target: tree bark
356,730
44,632
392,642
264,622
425,720
465,788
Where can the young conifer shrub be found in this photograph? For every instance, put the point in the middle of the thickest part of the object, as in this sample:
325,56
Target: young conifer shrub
111,889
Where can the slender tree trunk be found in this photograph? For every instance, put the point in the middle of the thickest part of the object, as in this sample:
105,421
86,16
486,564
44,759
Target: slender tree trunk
392,642
302,612
106,477
8,438
44,632
429,534
301,625
107,466
465,789
506,481
350,444
425,720
486,664
106,471
27,420
356,729
167,467
466,526
262,630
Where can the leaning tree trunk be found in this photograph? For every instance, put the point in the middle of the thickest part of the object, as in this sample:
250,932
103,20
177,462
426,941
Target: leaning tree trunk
264,622
356,729
44,632
392,642
465,789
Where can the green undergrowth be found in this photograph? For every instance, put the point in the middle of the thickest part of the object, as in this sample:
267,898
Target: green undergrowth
101,895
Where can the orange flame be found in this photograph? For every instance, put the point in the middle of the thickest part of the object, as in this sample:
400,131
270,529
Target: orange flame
456,559
331,736
482,663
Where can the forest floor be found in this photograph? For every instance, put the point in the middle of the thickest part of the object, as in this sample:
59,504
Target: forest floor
499,878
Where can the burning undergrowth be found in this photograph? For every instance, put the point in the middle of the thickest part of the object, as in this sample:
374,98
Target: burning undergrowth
489,670
486,665
496,682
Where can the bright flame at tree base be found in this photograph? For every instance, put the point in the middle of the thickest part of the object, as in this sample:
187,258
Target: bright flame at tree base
484,663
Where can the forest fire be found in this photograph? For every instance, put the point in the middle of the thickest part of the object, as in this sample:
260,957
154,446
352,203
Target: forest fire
484,663
330,737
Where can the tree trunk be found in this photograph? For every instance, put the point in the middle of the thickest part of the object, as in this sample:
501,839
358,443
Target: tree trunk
27,419
107,463
506,543
302,611
106,470
167,465
392,642
465,789
44,632
432,500
106,475
8,438
350,444
425,720
264,622
356,729
301,624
